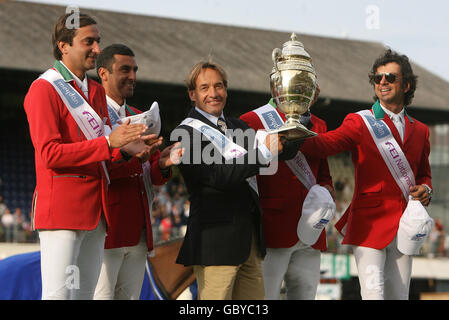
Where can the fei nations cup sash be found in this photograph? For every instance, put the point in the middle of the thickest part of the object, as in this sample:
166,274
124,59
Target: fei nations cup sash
415,223
87,119
298,165
390,151
228,149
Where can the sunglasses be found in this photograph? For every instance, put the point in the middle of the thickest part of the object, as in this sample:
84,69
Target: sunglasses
390,77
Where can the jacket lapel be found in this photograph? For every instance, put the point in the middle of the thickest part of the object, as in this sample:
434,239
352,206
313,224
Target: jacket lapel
92,91
409,125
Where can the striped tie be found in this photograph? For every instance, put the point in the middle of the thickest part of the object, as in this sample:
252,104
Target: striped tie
221,124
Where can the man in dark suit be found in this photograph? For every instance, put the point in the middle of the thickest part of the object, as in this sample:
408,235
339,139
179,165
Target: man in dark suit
224,240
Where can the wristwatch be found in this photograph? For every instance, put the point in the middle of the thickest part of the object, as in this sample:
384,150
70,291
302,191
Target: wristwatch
428,190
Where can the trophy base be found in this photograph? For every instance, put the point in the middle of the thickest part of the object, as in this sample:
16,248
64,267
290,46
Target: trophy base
294,131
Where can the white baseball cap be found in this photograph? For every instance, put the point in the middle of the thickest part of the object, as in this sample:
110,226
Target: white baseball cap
414,227
318,210
150,118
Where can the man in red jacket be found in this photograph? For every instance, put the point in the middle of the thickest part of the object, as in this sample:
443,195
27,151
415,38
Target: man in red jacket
130,236
67,113
281,197
371,222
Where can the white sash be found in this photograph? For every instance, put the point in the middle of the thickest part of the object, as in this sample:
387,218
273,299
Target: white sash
113,116
228,149
390,151
87,119
271,120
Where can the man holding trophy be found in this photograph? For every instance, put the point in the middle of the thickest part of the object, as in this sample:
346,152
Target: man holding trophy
296,201
224,241
386,222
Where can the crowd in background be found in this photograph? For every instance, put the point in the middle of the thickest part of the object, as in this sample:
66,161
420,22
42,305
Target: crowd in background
15,226
171,210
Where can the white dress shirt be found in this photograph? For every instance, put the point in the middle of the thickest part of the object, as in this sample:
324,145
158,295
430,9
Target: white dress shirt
398,120
121,110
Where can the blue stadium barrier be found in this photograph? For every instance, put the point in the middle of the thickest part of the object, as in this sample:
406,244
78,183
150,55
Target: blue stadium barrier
20,279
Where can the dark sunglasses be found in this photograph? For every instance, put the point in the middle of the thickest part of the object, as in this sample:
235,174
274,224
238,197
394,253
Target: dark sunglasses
390,77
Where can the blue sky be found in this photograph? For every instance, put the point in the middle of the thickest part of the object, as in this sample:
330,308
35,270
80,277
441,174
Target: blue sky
419,29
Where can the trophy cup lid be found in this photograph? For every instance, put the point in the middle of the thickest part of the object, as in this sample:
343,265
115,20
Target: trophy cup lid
294,48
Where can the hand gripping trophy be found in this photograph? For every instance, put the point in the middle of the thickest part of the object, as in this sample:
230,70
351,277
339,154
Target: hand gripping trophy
293,85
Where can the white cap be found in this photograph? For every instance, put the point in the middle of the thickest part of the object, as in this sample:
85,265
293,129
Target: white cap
414,227
318,210
150,118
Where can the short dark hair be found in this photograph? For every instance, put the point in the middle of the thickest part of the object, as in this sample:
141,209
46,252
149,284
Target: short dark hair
62,33
106,57
406,71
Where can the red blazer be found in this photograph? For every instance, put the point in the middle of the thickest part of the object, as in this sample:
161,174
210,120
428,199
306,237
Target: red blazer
128,205
372,219
71,188
282,194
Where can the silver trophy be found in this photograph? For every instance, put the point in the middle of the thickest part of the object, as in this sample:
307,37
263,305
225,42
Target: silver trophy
293,85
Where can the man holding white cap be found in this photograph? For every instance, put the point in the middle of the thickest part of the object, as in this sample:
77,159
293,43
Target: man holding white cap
129,237
295,210
390,151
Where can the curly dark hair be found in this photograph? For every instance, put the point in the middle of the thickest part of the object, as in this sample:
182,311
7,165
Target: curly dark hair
406,70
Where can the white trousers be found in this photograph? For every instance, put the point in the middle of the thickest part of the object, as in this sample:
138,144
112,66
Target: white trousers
71,262
298,266
383,274
122,272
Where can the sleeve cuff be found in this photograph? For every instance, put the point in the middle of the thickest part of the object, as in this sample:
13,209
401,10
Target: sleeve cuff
428,189
107,139
267,156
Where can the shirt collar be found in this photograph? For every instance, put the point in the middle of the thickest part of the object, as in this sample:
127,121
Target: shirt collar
390,114
120,109
81,84
379,112
210,117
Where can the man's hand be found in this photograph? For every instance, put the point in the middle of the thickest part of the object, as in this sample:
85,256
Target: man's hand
331,191
274,143
152,143
171,156
151,139
420,193
126,133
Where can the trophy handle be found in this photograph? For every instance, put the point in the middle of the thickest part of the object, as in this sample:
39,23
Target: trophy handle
276,54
